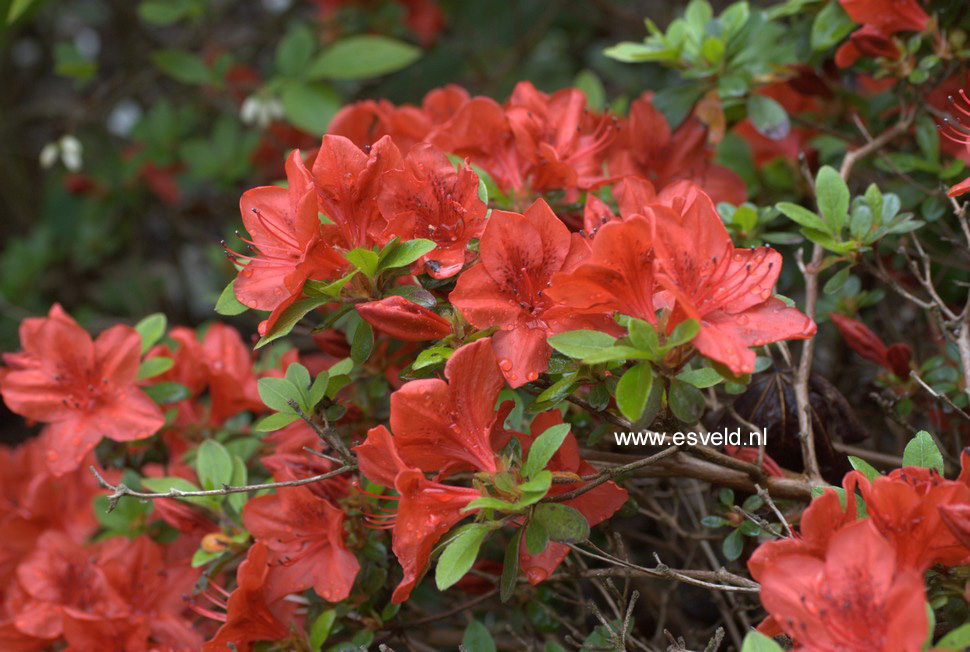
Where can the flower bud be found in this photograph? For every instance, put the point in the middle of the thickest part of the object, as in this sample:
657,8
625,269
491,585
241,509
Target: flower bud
404,320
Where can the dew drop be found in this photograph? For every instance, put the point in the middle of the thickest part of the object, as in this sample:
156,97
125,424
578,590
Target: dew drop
52,455
765,293
531,376
742,319
505,364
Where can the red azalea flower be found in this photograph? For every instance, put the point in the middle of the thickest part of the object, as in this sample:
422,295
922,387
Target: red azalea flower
404,320
957,518
905,507
519,255
646,147
819,522
229,370
348,182
727,290
366,122
596,505
866,41
858,599
428,198
562,144
889,16
617,277
61,577
867,344
451,426
285,232
479,130
250,616
304,534
83,389
425,509
32,500
153,587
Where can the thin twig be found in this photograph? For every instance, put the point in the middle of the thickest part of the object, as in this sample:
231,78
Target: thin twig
121,489
765,496
609,474
326,434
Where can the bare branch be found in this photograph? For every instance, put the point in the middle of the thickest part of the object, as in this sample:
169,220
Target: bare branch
121,489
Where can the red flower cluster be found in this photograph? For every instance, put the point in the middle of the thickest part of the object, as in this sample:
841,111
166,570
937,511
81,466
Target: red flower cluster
880,19
83,389
848,584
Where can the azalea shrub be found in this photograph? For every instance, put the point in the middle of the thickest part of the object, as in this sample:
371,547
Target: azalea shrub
486,366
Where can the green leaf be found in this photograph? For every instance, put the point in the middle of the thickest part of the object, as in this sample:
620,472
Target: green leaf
327,288
768,117
360,57
477,638
536,537
755,641
543,448
310,107
921,451
318,389
579,344
434,355
277,393
685,401
538,484
510,568
617,353
588,82
151,329
17,8
406,253
733,545
275,422
633,389
830,26
166,12
294,51
363,342
213,464
685,331
163,393
320,630
832,196
289,318
864,467
562,523
228,304
459,555
643,336
151,367
240,476
838,279
342,368
957,639
364,260
182,66
801,215
701,378
300,377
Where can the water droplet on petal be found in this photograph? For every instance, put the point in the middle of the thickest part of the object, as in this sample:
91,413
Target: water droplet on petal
531,376
765,294
52,455
505,364
742,319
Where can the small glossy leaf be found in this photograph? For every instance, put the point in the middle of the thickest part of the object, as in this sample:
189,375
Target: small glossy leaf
363,342
277,393
152,367
579,344
213,464
562,523
151,329
360,57
536,537
477,638
510,567
864,467
406,253
832,195
922,451
733,545
228,304
768,117
685,401
755,641
633,389
543,448
459,555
